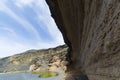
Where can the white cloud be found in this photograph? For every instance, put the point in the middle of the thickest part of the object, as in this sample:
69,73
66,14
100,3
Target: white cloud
22,21
8,48
10,31
12,46
22,3
52,28
44,16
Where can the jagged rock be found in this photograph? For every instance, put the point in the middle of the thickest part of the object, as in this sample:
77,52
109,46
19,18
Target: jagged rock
32,67
53,68
54,62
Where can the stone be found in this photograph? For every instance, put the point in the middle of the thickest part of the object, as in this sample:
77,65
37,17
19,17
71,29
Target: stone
53,68
91,29
64,63
32,67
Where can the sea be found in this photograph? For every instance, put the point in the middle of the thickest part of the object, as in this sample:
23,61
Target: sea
26,76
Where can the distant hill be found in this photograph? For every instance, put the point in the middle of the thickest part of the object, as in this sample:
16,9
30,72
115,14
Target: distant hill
38,58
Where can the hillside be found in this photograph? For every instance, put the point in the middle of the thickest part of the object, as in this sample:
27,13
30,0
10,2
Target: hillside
34,60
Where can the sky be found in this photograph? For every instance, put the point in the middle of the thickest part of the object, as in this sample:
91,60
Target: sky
25,25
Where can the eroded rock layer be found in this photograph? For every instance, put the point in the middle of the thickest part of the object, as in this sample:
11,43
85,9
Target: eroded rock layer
91,28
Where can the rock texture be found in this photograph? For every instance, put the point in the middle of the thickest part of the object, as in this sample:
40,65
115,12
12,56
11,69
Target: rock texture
51,61
91,28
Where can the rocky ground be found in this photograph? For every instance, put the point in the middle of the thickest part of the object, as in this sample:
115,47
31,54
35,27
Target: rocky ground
36,60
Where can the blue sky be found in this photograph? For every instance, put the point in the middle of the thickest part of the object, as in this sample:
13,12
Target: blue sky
26,24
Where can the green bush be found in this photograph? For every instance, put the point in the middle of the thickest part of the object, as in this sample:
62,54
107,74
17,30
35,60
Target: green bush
46,74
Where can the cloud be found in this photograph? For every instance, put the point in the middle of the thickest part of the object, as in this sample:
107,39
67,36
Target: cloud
22,3
52,28
8,30
12,47
43,16
21,20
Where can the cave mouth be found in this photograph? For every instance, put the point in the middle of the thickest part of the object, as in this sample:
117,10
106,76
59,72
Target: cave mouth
27,28
27,25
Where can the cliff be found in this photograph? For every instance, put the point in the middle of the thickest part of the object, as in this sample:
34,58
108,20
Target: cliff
91,28
36,60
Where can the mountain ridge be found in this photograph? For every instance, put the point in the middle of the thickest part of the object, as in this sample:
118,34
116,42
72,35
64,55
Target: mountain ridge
23,61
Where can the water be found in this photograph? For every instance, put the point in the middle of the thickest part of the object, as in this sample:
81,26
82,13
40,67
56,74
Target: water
26,76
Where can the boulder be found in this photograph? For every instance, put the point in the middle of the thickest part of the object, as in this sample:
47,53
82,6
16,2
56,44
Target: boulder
32,67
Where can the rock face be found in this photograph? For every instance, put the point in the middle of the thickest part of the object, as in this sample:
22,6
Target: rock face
55,61
91,28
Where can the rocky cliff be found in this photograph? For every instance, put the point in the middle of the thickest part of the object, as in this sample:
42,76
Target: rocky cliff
91,28
36,60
